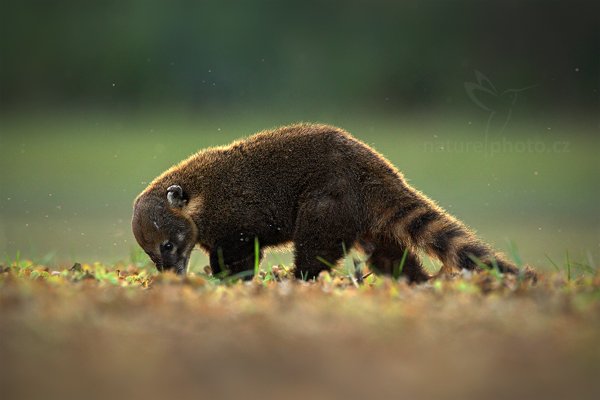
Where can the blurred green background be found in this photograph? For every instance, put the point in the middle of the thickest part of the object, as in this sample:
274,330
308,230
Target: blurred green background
98,97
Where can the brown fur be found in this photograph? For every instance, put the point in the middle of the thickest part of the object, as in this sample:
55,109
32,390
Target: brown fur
313,185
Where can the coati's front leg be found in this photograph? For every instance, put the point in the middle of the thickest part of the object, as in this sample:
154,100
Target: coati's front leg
234,256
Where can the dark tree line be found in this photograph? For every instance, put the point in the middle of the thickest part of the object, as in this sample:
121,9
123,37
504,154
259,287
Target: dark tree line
378,53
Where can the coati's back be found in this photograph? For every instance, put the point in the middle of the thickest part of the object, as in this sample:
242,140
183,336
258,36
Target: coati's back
304,156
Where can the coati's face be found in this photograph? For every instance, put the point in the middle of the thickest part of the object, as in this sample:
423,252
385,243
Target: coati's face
162,228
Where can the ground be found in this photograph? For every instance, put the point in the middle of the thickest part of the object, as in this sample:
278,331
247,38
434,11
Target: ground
92,331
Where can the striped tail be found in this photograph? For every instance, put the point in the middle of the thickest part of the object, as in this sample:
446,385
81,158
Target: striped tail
422,224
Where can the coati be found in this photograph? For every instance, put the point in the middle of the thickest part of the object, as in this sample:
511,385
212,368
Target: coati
313,185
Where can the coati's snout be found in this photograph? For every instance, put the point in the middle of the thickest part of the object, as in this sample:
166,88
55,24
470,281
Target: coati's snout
163,230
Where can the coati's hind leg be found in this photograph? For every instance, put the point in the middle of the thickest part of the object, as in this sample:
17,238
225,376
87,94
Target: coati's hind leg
324,230
385,256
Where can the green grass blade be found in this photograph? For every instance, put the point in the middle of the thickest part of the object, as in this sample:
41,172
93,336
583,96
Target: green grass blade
479,263
553,263
324,261
233,278
514,252
256,257
400,267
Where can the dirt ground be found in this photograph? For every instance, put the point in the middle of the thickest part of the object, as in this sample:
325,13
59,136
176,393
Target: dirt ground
97,333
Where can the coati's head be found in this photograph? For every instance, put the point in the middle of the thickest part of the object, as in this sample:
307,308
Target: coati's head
163,229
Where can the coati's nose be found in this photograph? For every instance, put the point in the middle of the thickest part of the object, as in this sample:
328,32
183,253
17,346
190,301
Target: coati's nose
181,266
178,266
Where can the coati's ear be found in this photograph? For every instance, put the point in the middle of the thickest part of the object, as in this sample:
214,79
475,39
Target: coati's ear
175,196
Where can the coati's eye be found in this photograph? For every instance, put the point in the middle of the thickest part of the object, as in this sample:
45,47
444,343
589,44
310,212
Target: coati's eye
167,246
